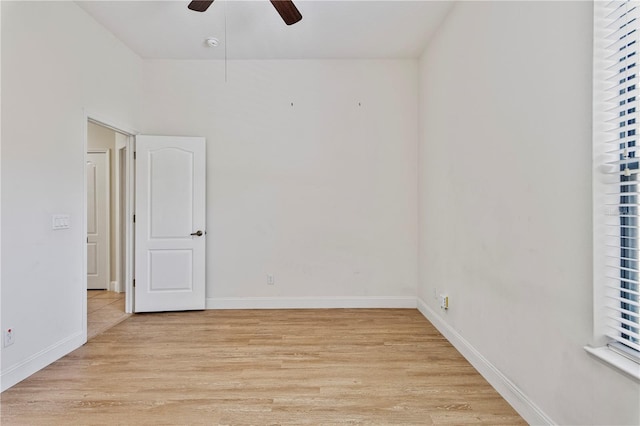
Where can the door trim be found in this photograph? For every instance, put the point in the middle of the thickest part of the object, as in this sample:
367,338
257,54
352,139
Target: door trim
130,132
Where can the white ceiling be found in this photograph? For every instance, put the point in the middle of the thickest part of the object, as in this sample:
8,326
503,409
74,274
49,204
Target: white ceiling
353,29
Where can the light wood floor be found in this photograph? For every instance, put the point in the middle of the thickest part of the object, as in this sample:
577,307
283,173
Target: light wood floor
261,367
104,310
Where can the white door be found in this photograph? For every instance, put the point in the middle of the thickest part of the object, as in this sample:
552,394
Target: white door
170,224
98,220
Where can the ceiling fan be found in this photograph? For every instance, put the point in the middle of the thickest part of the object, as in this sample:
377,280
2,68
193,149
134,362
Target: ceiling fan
287,10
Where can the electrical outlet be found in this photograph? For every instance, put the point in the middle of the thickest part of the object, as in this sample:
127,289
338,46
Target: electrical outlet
9,337
444,302
270,279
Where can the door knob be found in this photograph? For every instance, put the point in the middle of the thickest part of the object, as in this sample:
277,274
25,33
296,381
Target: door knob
198,233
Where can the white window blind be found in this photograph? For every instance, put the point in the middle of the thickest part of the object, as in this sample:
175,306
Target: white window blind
621,290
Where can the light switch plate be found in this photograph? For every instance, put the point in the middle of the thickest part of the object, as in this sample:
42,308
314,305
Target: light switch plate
60,221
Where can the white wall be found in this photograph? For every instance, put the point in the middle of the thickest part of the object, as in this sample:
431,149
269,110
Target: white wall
505,204
321,194
56,60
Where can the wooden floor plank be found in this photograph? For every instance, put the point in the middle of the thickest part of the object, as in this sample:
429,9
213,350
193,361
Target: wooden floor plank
104,310
261,367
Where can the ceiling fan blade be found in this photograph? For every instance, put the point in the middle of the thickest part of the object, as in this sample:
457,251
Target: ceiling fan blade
200,6
287,10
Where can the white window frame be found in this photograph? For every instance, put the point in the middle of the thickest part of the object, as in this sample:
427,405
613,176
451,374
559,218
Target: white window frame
600,345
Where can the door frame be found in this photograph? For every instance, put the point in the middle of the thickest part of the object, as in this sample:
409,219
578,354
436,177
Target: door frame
130,133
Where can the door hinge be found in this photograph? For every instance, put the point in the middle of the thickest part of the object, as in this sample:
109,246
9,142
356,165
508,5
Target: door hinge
134,155
134,218
134,283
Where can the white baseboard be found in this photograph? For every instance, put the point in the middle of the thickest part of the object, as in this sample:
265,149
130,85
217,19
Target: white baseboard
531,413
40,360
115,286
310,302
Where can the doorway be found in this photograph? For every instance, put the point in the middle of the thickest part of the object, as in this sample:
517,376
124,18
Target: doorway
172,278
107,293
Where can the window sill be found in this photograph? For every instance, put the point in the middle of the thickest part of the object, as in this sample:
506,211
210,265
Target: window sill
616,360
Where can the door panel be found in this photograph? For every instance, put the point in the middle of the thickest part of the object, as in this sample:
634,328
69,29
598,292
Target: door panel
97,220
170,207
171,193
170,270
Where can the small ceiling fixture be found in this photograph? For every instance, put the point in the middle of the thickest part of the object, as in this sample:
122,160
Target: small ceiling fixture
211,42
